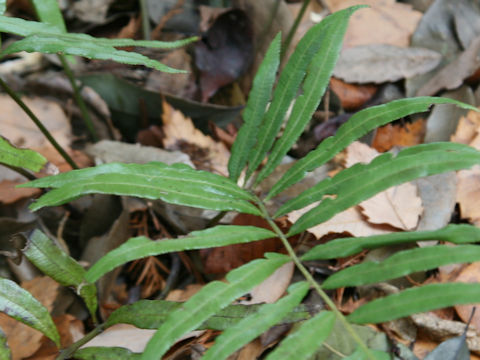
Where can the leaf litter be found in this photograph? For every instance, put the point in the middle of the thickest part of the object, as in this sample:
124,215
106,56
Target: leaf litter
406,51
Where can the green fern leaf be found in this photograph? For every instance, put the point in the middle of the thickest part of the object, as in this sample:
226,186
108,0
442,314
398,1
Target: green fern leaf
303,343
209,300
150,314
23,27
401,264
86,46
49,12
316,81
52,38
416,300
177,184
350,188
358,125
254,325
359,354
5,353
19,304
255,109
23,158
54,262
457,234
286,90
105,353
140,247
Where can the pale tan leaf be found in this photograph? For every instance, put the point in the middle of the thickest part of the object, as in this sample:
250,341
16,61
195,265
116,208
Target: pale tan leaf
468,193
273,287
467,128
181,134
468,181
470,274
21,131
385,22
399,206
350,221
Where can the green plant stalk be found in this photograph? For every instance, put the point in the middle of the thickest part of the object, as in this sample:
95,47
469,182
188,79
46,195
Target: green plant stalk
293,29
312,281
38,123
21,171
68,352
145,20
78,97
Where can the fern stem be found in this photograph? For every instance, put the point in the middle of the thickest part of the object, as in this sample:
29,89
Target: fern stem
294,28
25,173
38,123
68,352
312,281
78,97
145,20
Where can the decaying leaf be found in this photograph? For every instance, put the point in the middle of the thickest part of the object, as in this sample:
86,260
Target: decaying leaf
468,186
385,22
391,135
378,63
349,221
273,287
181,134
352,96
443,119
399,206
225,52
469,274
453,75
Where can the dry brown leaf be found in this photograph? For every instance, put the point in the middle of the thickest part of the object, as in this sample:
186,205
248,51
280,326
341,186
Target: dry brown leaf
408,134
70,329
123,335
470,274
352,96
130,337
184,295
468,192
273,287
23,340
21,131
350,221
399,206
181,134
385,22
9,194
222,259
467,129
468,185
